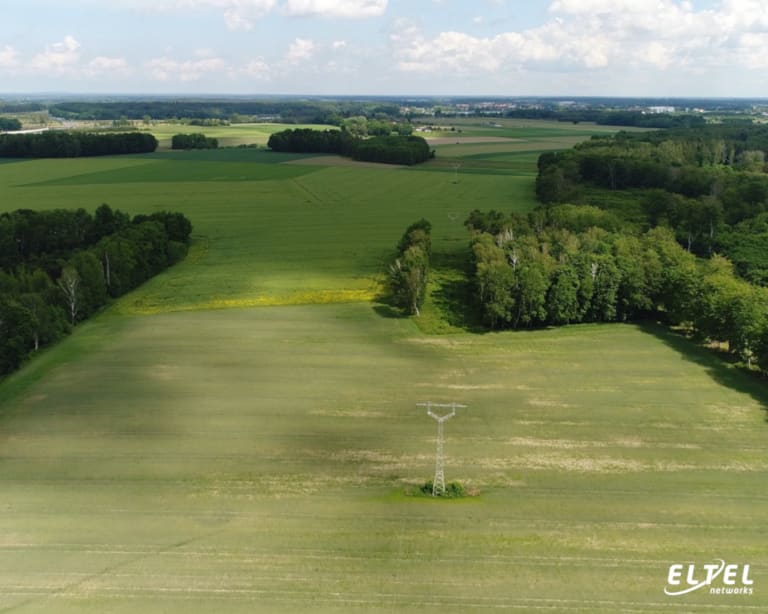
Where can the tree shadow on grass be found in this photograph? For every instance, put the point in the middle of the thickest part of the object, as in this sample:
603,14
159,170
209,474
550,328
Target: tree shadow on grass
722,371
451,305
385,310
453,293
453,299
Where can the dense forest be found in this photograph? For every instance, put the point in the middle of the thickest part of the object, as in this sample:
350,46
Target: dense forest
9,123
58,267
568,264
669,225
61,144
708,185
406,150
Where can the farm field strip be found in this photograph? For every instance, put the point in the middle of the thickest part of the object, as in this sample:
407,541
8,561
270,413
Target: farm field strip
228,136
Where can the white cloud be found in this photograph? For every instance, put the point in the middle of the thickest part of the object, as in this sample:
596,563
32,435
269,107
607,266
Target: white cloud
59,57
167,69
239,19
301,49
588,35
8,57
102,64
745,14
460,52
629,46
752,50
243,14
346,9
256,69
592,7
238,14
658,54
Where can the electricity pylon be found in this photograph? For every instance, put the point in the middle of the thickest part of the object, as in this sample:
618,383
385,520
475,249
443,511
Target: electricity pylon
438,484
456,168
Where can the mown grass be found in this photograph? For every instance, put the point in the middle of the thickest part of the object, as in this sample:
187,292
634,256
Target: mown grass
179,454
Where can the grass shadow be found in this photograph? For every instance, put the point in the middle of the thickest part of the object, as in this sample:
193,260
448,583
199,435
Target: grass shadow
450,306
721,370
388,311
452,295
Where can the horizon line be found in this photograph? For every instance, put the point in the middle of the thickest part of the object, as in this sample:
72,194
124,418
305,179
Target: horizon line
73,94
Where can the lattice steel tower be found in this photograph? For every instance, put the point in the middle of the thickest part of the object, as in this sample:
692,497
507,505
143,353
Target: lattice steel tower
438,484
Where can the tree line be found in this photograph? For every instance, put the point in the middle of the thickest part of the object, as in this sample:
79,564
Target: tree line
285,110
58,267
63,144
193,141
605,117
9,124
409,273
565,264
20,107
406,150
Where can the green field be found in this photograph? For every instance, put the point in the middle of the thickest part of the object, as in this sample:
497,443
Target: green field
518,128
228,136
241,433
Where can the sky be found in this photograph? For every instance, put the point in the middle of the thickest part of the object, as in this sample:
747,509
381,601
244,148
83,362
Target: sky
659,48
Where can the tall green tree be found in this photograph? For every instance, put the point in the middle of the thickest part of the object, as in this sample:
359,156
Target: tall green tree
69,284
408,276
15,333
93,289
563,296
409,272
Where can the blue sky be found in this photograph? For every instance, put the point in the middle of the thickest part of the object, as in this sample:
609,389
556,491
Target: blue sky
429,47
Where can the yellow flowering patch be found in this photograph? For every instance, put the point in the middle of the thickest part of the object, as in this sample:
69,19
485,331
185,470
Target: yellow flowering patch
198,250
141,306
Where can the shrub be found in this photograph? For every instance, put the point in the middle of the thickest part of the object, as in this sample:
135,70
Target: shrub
453,490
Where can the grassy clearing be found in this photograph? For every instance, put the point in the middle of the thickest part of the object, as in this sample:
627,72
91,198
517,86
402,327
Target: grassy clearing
259,461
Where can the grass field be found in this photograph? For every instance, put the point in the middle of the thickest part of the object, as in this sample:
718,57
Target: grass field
518,128
259,221
228,136
171,457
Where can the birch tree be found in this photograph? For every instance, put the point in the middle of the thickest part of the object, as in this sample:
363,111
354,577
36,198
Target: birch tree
69,284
